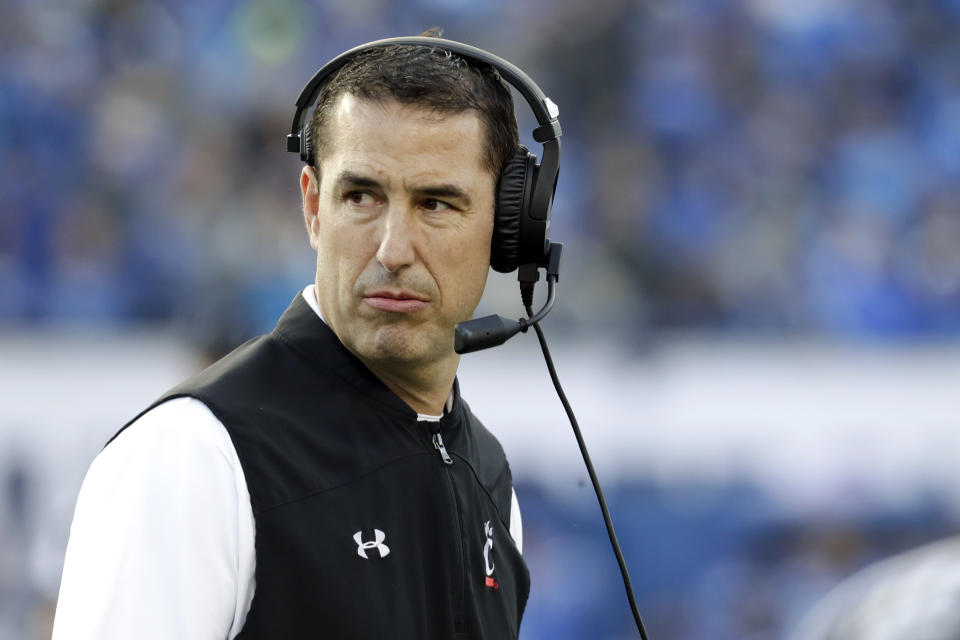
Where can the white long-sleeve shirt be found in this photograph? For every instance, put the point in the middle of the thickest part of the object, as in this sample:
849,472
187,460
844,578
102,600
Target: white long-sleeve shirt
162,539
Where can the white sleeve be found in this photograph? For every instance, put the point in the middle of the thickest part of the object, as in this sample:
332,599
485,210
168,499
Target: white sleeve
161,544
516,525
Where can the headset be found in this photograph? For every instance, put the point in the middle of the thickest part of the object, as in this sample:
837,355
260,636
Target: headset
525,191
525,188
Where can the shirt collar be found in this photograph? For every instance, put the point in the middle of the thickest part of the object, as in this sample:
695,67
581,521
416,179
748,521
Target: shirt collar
309,294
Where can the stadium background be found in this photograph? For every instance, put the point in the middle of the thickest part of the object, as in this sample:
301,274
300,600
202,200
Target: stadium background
758,318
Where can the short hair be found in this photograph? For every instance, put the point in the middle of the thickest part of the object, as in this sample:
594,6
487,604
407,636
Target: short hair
433,78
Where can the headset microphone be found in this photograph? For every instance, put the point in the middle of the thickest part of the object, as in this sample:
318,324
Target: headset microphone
492,331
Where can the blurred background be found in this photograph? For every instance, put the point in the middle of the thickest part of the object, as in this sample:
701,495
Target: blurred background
758,320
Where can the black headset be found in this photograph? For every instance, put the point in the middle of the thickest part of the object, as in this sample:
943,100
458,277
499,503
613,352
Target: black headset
525,188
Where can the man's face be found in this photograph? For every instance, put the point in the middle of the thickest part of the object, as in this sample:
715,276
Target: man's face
401,221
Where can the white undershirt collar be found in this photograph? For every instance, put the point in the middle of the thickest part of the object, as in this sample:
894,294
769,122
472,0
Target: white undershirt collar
310,296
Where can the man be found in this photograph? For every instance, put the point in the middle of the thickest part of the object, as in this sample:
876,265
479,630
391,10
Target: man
327,480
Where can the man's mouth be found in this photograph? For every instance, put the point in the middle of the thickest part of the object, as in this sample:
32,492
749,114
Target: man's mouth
395,301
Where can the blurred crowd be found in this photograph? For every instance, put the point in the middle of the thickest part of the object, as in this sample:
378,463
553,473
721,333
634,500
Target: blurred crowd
748,166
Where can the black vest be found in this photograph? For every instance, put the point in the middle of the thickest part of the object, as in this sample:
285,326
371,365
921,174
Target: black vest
362,529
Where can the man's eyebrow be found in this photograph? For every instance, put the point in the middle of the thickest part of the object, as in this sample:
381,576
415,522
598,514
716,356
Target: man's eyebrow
349,178
447,190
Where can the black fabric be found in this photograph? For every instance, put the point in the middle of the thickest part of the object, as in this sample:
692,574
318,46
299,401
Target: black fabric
512,196
328,451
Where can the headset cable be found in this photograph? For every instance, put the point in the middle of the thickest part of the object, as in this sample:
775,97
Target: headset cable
526,292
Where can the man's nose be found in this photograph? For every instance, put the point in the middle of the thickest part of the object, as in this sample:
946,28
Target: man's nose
398,241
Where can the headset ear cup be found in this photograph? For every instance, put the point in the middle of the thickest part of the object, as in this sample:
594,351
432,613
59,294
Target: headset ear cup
513,196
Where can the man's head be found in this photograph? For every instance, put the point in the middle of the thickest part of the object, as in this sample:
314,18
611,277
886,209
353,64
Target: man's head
409,144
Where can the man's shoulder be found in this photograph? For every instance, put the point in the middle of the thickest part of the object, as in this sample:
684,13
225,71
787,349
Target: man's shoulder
480,432
180,425
262,369
484,450
184,411
180,418
246,360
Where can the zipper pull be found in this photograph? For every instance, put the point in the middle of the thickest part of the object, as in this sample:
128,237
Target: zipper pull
438,445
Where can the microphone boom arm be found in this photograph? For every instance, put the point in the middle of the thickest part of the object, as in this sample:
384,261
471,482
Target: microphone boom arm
494,330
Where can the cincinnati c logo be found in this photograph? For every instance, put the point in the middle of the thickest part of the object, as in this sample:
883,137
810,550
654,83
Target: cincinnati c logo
487,548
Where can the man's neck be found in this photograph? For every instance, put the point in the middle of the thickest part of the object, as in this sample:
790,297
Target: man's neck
427,394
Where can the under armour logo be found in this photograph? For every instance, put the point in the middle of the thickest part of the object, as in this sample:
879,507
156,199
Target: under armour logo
376,543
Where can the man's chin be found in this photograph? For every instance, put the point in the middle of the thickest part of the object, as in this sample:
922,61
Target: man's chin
399,344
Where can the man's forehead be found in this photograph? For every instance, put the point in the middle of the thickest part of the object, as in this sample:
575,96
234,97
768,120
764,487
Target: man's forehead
375,133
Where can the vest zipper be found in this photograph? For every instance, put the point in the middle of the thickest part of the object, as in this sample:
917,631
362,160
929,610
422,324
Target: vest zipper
438,445
461,578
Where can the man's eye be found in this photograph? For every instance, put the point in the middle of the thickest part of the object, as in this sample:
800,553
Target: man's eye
435,205
361,198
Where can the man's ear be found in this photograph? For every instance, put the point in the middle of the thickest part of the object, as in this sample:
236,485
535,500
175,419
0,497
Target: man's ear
310,189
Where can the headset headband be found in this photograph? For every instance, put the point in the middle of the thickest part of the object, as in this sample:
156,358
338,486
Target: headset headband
544,109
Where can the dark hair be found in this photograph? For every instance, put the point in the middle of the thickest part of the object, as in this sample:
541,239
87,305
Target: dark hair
429,77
